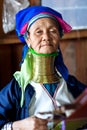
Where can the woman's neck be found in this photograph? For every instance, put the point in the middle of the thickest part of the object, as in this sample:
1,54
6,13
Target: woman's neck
43,69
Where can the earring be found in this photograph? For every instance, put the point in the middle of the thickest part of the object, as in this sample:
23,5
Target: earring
29,45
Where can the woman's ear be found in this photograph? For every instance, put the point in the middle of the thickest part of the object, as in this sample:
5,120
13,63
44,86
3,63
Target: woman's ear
28,41
27,37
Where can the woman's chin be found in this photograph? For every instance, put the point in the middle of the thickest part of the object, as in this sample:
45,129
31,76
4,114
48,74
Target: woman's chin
47,50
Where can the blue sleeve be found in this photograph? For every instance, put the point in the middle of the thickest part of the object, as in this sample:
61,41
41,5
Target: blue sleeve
75,86
9,102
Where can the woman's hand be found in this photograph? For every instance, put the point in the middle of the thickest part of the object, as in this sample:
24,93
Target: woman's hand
30,123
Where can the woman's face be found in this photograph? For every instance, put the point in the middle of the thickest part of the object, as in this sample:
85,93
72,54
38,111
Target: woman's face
44,36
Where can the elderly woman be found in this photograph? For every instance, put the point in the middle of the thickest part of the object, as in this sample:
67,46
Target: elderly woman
43,83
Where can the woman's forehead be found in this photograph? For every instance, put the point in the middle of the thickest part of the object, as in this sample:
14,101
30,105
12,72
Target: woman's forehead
43,22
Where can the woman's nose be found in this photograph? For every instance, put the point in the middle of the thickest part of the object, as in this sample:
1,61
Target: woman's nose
46,36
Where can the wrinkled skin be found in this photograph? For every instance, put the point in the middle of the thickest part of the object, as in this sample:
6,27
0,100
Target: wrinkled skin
31,123
44,36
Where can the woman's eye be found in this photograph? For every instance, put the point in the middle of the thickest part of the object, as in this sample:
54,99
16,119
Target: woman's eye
53,30
39,31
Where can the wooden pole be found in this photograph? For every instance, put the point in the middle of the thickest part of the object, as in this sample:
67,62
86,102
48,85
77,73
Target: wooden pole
35,2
